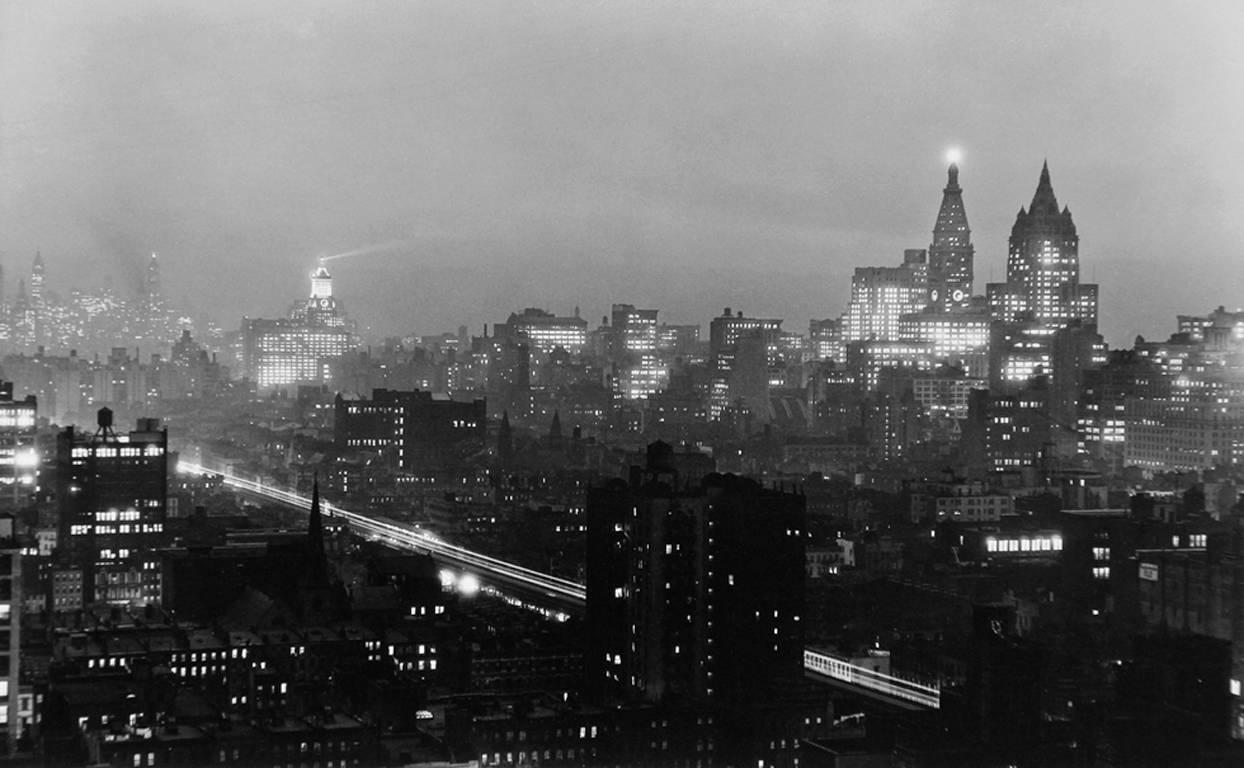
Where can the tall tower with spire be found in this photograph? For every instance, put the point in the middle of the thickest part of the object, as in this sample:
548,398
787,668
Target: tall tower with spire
151,283
951,252
315,533
37,297
1043,319
1043,267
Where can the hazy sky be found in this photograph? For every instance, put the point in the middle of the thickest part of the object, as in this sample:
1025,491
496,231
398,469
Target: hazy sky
685,156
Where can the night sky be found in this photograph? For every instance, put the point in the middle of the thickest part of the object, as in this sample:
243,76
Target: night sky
684,156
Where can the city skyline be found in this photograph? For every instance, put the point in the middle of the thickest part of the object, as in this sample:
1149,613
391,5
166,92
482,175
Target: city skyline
564,384
589,156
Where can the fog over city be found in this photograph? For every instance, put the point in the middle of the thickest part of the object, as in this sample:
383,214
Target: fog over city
682,155
574,383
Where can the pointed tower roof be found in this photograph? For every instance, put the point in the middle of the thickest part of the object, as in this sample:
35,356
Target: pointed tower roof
1043,201
315,523
505,441
952,218
555,432
38,265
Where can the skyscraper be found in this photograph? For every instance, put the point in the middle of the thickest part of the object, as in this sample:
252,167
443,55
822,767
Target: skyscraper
1043,267
694,594
151,290
37,271
543,331
1042,294
639,371
10,632
951,252
113,494
19,459
301,347
725,333
882,295
411,430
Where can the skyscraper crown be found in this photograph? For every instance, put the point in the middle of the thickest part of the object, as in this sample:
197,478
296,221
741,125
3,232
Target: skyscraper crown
951,217
1043,214
1043,201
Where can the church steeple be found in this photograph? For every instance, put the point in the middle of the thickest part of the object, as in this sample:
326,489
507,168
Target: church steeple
555,432
315,522
505,442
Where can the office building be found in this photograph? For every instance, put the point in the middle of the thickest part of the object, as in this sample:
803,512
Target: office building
10,631
411,430
880,296
113,496
678,340
1042,293
300,348
19,459
951,252
725,334
543,331
1043,267
693,592
638,369
826,340
958,337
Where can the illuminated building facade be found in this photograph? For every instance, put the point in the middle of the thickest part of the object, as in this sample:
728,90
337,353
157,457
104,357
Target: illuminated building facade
300,348
38,291
826,339
544,332
959,338
1043,267
677,339
113,495
10,632
1018,545
640,370
1042,293
945,396
880,296
1220,324
19,459
1199,426
725,334
867,359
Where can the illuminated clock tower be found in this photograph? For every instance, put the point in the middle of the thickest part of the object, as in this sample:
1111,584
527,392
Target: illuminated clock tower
951,253
321,284
321,308
300,348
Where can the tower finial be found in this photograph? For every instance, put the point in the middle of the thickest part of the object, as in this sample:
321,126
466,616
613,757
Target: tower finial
1043,201
315,522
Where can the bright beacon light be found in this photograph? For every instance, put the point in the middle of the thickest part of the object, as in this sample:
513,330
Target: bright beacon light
954,155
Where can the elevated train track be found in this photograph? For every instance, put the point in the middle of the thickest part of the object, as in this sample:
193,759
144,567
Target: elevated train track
566,595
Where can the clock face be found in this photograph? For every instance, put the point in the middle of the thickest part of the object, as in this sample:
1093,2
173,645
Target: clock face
958,295
324,303
934,295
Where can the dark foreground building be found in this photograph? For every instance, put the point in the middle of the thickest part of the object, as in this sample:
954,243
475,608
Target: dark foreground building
694,595
412,430
113,497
